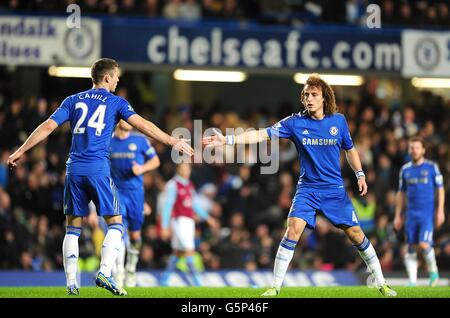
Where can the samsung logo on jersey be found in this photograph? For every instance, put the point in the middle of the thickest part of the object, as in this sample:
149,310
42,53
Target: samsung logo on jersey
93,96
319,141
417,180
123,155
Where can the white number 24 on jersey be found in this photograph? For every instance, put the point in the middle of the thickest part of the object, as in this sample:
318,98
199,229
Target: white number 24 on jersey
96,121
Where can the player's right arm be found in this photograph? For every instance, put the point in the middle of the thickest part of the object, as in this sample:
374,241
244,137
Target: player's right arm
151,130
399,202
282,129
38,135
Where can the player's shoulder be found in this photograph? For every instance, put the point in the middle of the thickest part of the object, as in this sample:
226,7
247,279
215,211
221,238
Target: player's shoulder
431,164
338,116
407,165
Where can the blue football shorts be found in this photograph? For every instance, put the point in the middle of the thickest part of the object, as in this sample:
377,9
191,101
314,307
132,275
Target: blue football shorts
80,190
419,230
132,201
334,204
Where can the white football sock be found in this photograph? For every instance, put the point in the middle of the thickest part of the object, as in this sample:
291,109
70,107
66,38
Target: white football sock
133,255
368,254
282,260
411,266
70,254
111,248
430,259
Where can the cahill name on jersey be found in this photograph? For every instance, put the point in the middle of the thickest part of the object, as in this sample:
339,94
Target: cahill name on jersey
318,143
93,115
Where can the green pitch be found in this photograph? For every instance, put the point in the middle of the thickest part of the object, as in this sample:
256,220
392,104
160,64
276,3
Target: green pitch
225,292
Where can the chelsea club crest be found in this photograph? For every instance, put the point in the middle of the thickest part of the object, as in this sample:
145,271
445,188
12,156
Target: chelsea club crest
333,131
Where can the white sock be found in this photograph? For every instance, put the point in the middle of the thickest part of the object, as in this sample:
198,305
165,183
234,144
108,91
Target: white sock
368,254
430,259
119,265
111,248
133,256
282,260
70,254
411,266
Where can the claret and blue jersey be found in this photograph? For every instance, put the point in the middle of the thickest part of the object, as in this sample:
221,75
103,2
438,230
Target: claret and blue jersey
93,115
320,185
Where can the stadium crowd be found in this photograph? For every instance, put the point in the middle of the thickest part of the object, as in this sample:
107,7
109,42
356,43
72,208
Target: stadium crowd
249,208
289,12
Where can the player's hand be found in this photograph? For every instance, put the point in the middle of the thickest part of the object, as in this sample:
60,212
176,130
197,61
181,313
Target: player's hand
165,234
147,209
362,186
440,219
215,140
181,145
136,168
398,223
12,159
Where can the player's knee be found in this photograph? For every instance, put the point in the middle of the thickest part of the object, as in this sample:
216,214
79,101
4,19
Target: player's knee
424,246
294,231
355,234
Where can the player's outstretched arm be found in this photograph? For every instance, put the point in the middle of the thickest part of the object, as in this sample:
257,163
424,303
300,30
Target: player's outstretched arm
399,200
355,163
151,130
38,135
248,137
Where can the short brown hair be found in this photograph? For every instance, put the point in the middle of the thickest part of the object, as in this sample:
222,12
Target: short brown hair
102,67
417,139
329,103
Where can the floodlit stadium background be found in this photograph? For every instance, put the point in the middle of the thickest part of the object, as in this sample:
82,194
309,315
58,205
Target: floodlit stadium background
396,57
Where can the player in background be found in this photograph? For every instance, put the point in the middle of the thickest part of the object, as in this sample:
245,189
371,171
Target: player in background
93,114
418,181
179,210
319,133
131,156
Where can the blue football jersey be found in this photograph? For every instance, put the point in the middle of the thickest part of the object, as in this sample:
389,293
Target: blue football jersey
420,182
123,152
318,143
93,115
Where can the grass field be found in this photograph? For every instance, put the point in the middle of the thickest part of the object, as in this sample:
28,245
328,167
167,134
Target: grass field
225,292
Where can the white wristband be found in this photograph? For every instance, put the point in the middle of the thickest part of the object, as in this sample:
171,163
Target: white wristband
230,140
359,174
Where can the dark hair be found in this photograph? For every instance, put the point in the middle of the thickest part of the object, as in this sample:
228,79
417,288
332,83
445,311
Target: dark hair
329,103
102,67
417,139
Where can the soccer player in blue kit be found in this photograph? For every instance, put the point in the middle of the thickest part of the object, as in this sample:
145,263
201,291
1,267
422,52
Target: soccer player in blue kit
131,156
419,179
319,133
93,114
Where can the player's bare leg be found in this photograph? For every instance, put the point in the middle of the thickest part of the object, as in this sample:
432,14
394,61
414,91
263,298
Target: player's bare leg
430,259
285,253
368,254
71,252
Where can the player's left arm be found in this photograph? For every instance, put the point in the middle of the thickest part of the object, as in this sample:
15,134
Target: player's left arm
439,184
440,215
38,135
355,163
152,162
